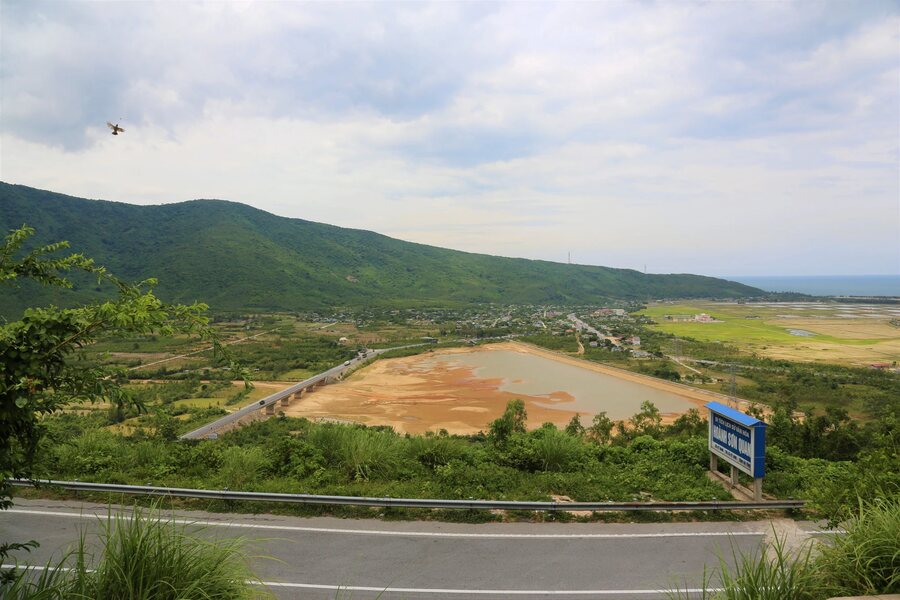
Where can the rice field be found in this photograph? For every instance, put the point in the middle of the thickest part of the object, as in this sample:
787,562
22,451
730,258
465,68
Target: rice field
857,334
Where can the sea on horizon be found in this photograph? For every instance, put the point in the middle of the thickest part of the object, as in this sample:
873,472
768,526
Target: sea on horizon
826,285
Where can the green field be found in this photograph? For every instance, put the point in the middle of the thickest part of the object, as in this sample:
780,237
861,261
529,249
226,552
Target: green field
764,329
735,326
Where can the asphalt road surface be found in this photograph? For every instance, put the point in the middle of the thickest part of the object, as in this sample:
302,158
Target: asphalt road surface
363,559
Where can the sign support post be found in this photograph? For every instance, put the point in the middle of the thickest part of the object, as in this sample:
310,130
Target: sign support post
739,440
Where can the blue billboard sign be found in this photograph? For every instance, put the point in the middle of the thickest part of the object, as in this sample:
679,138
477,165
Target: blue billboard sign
737,438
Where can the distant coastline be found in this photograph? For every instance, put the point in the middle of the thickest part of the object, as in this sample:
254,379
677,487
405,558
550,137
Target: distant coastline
826,285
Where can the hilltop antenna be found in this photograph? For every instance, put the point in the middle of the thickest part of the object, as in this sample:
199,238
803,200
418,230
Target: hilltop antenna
570,257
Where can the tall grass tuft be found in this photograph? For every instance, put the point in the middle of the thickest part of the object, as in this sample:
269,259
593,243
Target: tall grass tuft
361,453
865,559
557,451
241,466
779,576
143,558
436,451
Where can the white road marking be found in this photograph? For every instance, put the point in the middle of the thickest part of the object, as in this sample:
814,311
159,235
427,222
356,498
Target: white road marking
399,590
437,534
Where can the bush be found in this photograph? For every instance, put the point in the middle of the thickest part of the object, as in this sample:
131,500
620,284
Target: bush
361,453
545,449
91,453
241,466
436,451
292,457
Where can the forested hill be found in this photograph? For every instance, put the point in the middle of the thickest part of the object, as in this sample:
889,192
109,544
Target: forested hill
233,256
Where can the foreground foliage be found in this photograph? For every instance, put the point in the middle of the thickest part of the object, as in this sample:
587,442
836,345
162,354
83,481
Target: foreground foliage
143,557
37,375
863,559
641,460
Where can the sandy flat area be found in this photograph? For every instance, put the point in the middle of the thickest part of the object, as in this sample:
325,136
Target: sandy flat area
401,393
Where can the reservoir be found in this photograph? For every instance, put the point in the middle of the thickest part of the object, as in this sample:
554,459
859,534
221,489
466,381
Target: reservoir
463,389
563,384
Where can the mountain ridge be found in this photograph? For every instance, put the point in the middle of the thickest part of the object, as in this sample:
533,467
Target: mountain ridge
237,257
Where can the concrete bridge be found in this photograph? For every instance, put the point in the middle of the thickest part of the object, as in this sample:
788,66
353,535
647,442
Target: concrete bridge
285,396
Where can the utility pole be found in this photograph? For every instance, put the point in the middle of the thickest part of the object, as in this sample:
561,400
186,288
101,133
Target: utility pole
732,384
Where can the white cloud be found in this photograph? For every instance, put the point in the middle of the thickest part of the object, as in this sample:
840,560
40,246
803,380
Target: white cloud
717,138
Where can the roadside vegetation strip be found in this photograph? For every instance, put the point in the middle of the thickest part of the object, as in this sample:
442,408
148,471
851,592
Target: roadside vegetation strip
409,533
410,502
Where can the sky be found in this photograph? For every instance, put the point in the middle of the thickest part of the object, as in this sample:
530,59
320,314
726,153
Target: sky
723,138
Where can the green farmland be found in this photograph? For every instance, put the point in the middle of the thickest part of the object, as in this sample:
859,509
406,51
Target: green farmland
820,332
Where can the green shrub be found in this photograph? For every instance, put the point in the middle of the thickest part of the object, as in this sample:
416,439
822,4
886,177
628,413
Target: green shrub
241,466
91,453
293,457
361,453
435,451
545,449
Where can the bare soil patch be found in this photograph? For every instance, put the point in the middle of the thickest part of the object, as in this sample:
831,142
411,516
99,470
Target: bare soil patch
400,393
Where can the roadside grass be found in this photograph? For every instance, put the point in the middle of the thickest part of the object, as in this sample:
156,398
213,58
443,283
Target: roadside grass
297,374
142,557
863,559
866,559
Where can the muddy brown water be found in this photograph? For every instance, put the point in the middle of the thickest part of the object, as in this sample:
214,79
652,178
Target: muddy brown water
584,390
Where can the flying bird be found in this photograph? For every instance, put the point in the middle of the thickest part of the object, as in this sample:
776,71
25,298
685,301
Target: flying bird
115,128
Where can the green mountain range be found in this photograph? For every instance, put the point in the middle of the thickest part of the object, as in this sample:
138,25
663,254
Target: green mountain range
234,257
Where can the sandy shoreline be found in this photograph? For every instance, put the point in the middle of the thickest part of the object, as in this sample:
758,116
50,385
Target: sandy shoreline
413,399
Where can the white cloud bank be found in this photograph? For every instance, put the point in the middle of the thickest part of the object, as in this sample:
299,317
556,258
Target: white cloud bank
722,138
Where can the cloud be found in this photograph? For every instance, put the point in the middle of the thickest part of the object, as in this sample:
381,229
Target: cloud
713,137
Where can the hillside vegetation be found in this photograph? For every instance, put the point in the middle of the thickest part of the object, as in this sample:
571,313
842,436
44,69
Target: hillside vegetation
233,256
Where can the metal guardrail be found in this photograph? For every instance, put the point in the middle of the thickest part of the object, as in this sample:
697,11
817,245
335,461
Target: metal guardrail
147,490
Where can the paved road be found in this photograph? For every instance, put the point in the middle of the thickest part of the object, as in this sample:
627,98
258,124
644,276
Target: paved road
334,558
579,324
205,430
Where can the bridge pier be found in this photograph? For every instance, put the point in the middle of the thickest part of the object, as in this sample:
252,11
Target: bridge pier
270,409
287,400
